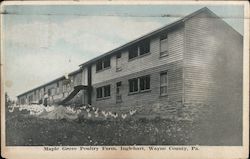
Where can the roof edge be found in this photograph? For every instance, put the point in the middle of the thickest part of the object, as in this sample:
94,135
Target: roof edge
168,26
50,82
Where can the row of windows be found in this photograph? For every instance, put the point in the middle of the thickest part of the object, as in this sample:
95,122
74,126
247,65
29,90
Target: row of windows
135,51
66,87
138,84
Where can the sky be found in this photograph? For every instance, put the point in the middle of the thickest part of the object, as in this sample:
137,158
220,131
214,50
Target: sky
41,43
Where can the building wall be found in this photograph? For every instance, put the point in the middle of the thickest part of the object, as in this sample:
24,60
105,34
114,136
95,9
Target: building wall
176,49
22,99
59,92
146,100
212,59
151,64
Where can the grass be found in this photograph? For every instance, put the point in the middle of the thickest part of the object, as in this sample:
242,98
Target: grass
217,128
24,130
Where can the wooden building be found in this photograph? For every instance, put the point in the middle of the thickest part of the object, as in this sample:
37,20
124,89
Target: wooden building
195,59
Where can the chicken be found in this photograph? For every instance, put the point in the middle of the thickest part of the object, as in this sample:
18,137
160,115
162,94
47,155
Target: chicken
105,114
132,112
124,116
89,115
115,115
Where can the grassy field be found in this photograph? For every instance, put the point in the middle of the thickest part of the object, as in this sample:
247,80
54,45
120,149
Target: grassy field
216,128
26,130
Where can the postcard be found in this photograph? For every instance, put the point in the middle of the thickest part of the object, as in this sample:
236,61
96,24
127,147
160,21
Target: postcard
122,79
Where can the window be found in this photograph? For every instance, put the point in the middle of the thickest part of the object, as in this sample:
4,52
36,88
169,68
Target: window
103,63
133,52
99,65
139,84
144,82
133,85
106,62
99,92
30,98
103,91
118,62
106,91
141,49
144,47
163,83
118,87
118,92
22,101
164,45
49,92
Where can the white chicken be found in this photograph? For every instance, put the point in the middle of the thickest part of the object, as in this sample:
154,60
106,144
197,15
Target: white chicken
132,112
11,110
96,112
89,115
105,114
78,111
96,115
115,115
83,107
124,116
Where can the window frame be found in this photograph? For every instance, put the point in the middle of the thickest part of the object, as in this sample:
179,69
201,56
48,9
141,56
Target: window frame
138,50
135,80
164,84
133,48
99,93
118,86
101,63
164,38
142,45
138,81
30,98
118,62
146,82
98,64
102,90
105,91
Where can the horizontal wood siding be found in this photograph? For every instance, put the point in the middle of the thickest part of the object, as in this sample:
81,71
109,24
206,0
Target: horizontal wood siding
143,101
76,79
212,59
176,49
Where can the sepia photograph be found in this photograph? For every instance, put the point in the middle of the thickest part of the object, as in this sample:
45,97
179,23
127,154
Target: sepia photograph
119,77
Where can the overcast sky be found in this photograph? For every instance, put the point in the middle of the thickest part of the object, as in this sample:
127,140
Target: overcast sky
42,43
